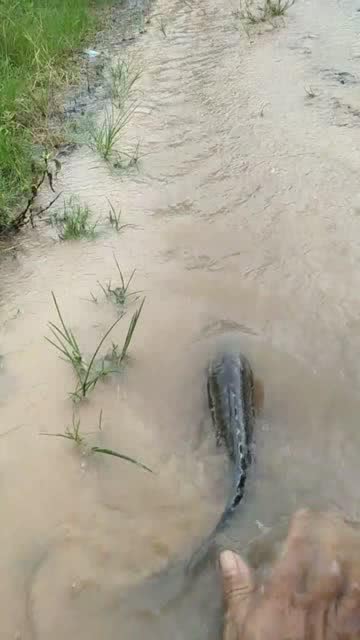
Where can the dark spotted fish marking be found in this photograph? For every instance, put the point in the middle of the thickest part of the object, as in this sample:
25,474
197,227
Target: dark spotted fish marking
230,388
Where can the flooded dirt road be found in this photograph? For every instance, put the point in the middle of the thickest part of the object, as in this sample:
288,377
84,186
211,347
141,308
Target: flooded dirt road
246,228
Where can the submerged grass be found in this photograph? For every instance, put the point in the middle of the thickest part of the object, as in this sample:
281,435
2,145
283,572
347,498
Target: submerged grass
254,12
105,135
124,76
89,372
278,7
73,433
163,26
73,221
115,219
36,40
119,294
310,93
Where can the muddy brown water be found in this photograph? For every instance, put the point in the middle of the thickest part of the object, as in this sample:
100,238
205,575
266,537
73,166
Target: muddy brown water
246,209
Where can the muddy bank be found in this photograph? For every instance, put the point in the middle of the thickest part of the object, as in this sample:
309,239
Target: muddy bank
245,209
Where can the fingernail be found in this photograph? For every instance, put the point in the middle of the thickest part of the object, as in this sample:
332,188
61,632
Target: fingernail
228,562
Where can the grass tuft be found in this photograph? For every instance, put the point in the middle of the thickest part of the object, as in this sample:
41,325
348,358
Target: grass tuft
106,135
115,218
89,372
254,13
120,294
276,8
73,221
128,159
124,76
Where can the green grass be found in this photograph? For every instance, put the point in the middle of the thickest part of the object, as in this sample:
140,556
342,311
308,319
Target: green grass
105,136
126,160
119,294
73,221
74,434
276,8
115,219
253,12
71,432
89,371
36,40
124,76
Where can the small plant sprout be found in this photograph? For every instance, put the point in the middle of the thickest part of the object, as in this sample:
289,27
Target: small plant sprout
119,294
162,26
310,93
262,109
127,159
73,433
115,219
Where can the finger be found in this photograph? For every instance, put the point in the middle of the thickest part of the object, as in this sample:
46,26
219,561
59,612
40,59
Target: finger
291,569
238,584
316,626
348,612
230,629
326,588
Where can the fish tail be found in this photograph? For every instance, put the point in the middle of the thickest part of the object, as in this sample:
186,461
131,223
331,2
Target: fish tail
201,553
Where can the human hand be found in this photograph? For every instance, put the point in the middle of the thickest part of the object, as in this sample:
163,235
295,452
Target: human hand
312,593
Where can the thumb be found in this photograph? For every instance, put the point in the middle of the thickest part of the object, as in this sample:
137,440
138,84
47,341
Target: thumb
238,584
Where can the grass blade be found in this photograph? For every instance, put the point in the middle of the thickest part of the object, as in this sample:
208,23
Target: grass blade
63,351
60,317
97,351
131,329
56,435
110,452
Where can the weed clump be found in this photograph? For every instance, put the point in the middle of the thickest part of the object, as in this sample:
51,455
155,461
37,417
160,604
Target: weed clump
119,294
104,136
89,371
73,221
123,77
253,12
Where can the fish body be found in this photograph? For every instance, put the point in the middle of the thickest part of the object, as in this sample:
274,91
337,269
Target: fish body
230,388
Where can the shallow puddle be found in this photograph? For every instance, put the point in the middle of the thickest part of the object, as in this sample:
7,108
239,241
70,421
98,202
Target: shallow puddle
245,208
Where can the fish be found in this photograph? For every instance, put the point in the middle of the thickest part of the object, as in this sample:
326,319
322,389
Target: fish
230,388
